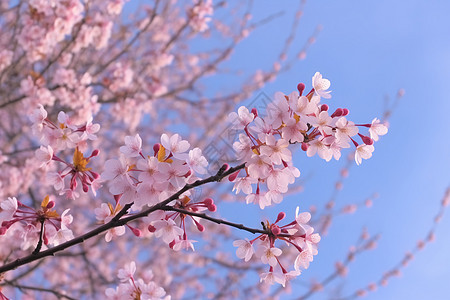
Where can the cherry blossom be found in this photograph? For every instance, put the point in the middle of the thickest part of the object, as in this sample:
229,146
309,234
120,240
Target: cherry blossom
321,85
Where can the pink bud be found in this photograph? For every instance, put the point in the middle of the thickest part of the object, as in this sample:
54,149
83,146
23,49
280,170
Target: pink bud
255,111
301,88
156,148
151,228
212,208
324,107
85,188
200,227
305,146
345,112
280,217
136,231
117,197
95,175
50,204
337,113
95,152
275,230
208,201
367,140
233,176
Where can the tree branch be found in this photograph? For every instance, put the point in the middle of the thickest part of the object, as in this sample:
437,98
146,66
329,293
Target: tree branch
116,221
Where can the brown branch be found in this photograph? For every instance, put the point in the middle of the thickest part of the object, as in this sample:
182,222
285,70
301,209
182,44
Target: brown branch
116,221
215,220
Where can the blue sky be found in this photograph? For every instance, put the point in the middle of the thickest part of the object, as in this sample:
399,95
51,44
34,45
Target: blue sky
370,49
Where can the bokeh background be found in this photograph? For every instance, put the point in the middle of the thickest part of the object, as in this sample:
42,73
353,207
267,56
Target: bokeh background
369,50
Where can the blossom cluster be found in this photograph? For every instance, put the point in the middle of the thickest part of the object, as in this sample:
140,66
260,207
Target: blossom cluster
34,226
297,234
148,180
132,288
293,119
60,136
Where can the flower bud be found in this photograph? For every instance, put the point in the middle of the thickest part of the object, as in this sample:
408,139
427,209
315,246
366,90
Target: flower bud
208,201
301,88
151,228
156,148
324,107
95,152
255,111
200,227
135,231
305,146
345,112
280,217
367,140
50,204
212,208
337,113
275,230
233,176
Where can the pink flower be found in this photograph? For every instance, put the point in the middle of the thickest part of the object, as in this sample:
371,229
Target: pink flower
321,147
322,122
278,181
175,145
91,129
302,106
276,150
278,111
377,129
150,170
245,249
65,120
168,230
243,147
44,155
363,151
268,255
241,119
344,130
184,244
55,179
321,85
259,166
127,272
272,277
7,209
293,131
244,184
303,260
174,172
37,118
259,198
133,146
196,161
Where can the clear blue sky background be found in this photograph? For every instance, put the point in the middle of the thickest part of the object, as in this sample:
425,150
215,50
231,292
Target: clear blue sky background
369,49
